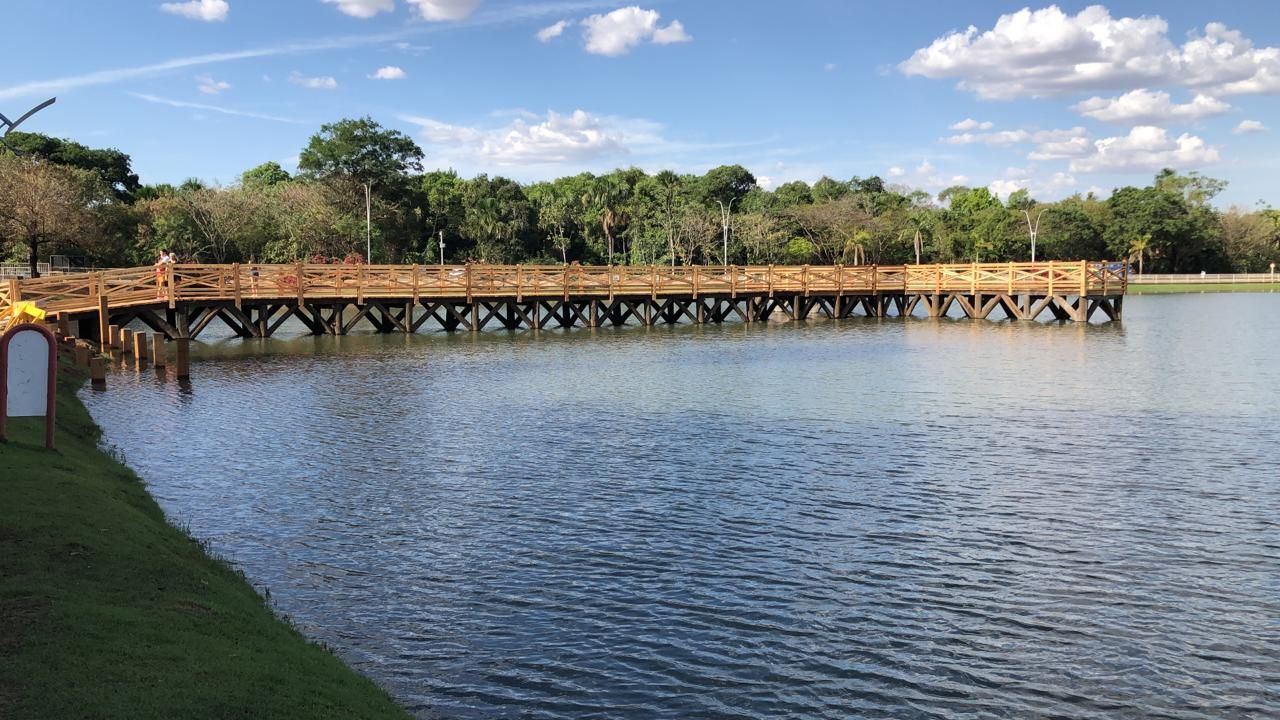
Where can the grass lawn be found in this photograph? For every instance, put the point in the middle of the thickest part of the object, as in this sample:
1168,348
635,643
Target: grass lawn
1135,289
107,611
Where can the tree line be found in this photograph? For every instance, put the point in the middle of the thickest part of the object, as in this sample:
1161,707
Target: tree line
359,183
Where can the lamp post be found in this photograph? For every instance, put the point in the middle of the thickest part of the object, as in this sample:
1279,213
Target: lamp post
368,224
442,247
724,223
1034,229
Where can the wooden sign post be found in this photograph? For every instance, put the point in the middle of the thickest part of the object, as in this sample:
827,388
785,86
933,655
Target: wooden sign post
28,376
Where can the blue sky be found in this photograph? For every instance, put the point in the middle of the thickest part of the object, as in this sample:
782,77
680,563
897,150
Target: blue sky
1057,98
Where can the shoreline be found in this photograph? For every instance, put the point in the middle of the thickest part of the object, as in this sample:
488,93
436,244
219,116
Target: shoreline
112,612
1200,288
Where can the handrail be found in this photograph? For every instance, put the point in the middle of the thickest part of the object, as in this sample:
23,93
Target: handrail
359,283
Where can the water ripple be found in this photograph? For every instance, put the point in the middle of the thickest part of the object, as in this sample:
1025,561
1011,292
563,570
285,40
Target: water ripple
864,519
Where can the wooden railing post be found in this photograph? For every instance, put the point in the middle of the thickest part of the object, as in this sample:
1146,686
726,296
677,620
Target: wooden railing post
839,279
769,280
1052,272
1011,277
519,283
697,280
804,280
653,282
468,277
973,279
301,290
733,282
235,282
1084,279
173,286
415,284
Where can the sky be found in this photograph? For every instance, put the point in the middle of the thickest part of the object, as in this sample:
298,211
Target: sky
1057,99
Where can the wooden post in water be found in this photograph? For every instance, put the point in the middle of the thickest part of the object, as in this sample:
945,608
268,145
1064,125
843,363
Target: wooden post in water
140,348
104,320
82,355
183,358
126,341
157,350
98,372
113,337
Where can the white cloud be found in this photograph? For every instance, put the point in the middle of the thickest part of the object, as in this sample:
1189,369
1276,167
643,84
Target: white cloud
363,9
1146,107
444,10
209,86
1005,188
1002,137
1048,52
390,72
203,10
1062,149
323,82
551,32
970,124
217,109
925,175
616,33
1146,148
1249,126
829,67
558,139
1057,185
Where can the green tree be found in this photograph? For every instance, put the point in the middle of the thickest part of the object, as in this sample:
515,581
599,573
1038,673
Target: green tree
42,203
376,160
110,165
264,175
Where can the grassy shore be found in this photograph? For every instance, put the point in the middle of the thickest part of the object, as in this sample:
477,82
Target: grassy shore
1153,289
107,611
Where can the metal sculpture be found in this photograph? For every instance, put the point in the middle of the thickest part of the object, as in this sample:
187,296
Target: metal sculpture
11,125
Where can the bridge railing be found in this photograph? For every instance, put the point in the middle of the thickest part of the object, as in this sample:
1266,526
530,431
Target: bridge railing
195,282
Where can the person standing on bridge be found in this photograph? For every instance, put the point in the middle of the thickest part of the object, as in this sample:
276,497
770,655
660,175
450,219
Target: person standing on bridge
162,270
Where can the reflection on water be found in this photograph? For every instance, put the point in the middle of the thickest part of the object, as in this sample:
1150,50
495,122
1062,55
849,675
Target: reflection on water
858,519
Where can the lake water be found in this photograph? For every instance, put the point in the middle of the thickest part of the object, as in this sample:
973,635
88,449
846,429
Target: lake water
870,518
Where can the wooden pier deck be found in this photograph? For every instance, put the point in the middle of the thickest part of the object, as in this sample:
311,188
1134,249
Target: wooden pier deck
255,300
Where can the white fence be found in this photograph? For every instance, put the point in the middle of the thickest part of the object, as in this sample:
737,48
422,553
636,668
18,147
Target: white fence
1207,279
8,272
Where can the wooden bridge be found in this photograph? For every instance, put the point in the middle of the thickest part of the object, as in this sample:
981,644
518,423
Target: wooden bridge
255,300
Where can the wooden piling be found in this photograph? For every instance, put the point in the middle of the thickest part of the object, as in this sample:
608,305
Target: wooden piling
104,320
157,350
183,346
126,341
113,337
81,354
140,348
98,372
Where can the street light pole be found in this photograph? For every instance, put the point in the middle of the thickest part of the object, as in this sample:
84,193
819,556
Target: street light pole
1034,230
368,225
725,213
442,247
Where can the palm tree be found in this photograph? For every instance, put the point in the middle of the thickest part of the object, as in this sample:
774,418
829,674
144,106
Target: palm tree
669,183
1138,248
610,197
